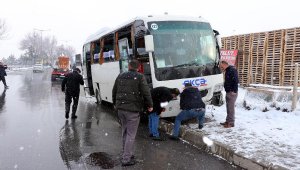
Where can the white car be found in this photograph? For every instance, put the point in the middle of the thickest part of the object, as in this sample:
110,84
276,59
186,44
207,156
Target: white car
38,68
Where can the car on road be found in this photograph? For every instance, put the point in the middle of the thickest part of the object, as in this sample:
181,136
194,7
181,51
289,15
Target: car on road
58,74
38,68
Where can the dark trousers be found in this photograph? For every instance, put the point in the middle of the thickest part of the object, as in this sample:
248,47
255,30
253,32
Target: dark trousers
68,101
2,78
230,105
130,122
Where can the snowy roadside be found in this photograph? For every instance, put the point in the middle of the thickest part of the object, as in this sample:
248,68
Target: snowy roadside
272,136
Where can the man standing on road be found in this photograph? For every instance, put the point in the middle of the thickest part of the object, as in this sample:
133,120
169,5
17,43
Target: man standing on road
159,95
71,87
3,74
231,81
130,94
192,106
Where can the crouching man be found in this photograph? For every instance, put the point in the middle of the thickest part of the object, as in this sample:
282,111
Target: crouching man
192,106
159,95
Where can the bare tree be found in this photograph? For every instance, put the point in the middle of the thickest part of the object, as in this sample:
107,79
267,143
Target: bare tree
11,60
3,29
25,60
50,46
32,45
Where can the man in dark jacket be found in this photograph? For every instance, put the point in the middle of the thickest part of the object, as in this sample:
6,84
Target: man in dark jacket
71,87
231,88
3,74
130,94
159,95
192,106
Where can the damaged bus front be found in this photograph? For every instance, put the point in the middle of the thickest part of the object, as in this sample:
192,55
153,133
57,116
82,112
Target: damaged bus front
185,52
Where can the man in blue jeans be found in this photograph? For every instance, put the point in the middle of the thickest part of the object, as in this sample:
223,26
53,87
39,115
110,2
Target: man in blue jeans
192,106
159,95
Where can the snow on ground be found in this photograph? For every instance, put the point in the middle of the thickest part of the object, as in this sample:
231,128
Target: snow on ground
272,136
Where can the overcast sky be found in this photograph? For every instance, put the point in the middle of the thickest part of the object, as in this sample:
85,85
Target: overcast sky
72,21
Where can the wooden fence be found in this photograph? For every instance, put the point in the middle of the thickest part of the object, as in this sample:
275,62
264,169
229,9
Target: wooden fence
266,57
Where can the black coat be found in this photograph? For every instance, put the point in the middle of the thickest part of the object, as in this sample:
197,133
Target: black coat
231,80
72,83
2,70
190,98
131,92
159,95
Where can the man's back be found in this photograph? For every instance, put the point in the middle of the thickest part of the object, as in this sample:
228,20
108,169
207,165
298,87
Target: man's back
159,95
131,91
190,98
72,81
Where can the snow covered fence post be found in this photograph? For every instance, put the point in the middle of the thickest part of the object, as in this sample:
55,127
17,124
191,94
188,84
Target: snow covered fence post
295,89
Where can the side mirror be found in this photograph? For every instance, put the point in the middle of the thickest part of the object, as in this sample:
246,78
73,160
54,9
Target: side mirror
219,40
149,44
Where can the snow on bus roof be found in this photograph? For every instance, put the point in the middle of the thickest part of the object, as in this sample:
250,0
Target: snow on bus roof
171,18
97,34
149,18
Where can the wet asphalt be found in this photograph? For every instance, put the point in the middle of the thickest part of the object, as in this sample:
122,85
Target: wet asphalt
34,134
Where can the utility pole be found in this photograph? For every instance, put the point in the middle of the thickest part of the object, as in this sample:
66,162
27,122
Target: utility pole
41,31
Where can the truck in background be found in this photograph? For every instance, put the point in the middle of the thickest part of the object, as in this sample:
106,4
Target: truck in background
61,68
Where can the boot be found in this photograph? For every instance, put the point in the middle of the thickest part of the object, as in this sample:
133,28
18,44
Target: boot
229,125
73,116
67,115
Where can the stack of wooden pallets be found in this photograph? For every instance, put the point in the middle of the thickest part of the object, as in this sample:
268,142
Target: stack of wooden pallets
273,57
291,54
266,57
244,45
257,51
